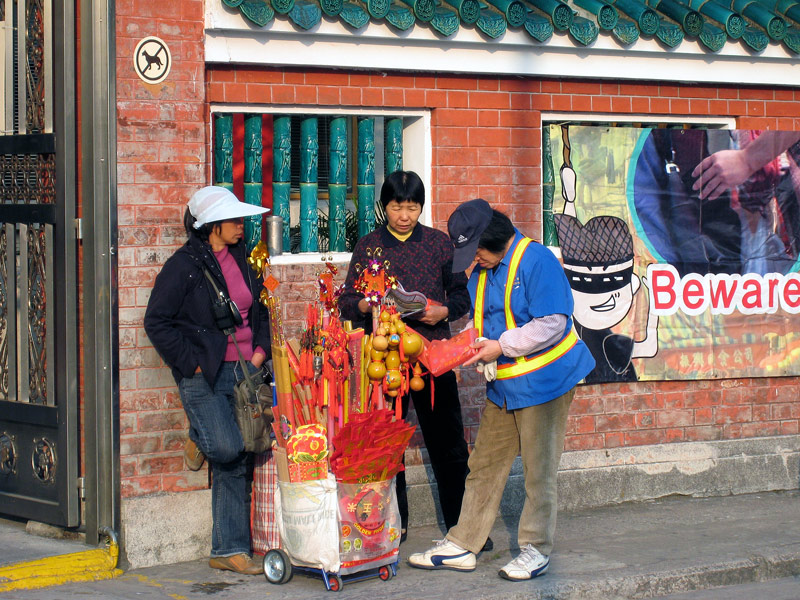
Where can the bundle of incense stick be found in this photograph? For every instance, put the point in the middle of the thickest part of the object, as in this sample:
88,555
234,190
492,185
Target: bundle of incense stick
273,304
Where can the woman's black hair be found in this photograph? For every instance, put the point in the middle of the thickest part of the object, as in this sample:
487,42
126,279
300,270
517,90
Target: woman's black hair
403,186
201,232
497,233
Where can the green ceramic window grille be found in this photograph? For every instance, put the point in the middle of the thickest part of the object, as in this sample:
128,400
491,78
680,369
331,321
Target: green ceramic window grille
299,169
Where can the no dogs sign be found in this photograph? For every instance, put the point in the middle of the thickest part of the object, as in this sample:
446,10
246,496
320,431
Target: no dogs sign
152,60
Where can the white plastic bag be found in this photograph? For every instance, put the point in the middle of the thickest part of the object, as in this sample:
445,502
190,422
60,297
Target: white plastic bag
307,514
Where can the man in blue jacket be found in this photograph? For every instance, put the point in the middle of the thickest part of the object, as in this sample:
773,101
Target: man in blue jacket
532,360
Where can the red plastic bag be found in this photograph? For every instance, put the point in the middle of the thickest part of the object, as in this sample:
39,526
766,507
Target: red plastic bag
441,356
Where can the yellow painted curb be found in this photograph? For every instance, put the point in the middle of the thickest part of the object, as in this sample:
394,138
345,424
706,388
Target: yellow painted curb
89,565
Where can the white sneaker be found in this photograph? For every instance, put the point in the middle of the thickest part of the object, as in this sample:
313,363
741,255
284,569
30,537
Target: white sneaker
444,555
529,564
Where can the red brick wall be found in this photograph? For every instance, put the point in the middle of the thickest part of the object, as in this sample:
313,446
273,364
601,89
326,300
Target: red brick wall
161,155
486,143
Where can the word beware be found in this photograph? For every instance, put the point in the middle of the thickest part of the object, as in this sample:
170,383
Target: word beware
722,294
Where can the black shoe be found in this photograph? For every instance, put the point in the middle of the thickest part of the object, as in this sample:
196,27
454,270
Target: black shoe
403,535
488,546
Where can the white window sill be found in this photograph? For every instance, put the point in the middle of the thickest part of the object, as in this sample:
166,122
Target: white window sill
310,258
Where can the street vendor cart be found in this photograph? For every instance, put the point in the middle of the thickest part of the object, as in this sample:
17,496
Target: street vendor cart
338,532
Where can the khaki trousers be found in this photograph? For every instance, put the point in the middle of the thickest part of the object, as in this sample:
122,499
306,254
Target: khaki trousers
536,433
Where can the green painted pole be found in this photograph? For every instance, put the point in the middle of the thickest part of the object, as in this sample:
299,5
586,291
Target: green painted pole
337,186
252,177
394,146
281,173
366,175
223,150
309,159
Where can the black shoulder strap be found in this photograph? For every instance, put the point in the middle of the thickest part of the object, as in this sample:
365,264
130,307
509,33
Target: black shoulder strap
224,298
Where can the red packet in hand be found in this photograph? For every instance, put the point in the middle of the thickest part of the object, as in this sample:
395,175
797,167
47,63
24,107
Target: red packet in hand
440,356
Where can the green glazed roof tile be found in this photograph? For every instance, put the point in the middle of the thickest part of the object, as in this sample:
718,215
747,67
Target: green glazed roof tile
331,7
561,15
354,15
792,40
540,28
645,17
305,14
713,22
423,9
626,31
401,18
513,10
757,39
583,30
712,37
670,34
445,21
690,20
733,22
378,8
282,6
491,23
257,11
774,25
605,14
468,10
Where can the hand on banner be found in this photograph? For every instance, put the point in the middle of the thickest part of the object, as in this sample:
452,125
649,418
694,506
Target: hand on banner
726,169
720,172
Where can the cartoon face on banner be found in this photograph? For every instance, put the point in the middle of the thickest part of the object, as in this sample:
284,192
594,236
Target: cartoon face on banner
682,262
598,262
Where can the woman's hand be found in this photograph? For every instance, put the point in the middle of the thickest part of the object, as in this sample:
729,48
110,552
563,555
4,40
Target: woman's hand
258,359
433,314
364,306
488,351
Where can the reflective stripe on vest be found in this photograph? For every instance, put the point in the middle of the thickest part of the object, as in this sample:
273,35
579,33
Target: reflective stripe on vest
521,365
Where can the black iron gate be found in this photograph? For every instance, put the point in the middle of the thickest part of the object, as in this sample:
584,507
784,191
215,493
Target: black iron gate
39,430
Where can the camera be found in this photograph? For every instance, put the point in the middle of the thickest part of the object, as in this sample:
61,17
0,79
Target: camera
226,314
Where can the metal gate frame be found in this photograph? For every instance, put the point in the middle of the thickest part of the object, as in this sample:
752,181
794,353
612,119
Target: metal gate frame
100,287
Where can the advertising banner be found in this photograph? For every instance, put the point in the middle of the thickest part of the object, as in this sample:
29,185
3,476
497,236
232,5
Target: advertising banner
681,249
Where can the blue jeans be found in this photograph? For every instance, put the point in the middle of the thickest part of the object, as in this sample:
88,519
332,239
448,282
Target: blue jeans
213,428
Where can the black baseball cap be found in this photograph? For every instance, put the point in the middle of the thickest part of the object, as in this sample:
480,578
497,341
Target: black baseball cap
465,227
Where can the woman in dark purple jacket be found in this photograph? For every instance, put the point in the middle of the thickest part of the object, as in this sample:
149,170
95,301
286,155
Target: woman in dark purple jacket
422,260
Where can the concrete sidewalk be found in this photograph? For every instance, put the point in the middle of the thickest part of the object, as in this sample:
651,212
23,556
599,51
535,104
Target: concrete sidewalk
635,550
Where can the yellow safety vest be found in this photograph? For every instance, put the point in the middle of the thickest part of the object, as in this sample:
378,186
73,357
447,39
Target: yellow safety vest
522,364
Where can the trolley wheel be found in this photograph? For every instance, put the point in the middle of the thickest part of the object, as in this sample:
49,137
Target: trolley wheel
385,573
335,583
277,566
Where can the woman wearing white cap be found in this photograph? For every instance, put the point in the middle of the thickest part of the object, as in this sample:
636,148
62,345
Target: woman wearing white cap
181,325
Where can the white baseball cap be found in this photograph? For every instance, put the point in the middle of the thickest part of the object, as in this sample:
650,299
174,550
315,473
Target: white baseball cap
213,203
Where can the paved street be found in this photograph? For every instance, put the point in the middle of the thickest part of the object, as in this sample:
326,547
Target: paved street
661,549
